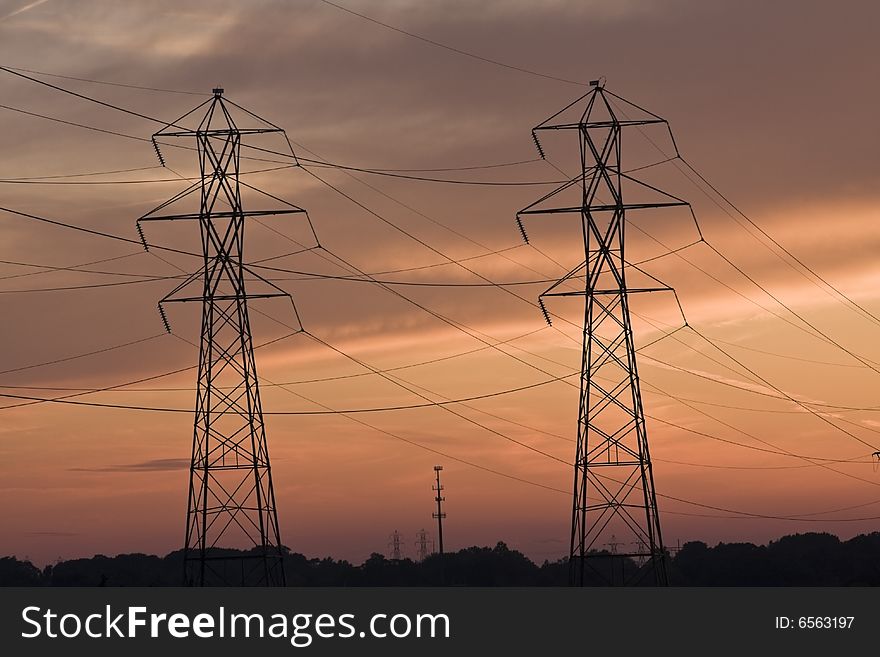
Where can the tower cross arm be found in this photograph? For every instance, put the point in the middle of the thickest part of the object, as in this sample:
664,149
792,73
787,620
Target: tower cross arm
224,214
612,291
217,132
605,207
599,124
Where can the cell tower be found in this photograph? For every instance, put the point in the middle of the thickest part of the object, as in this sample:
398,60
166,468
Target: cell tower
422,544
231,496
439,515
394,544
613,479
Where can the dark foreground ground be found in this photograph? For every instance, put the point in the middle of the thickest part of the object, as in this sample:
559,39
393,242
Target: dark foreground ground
797,560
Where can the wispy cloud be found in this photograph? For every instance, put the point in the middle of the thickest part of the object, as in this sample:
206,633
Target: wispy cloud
21,10
156,465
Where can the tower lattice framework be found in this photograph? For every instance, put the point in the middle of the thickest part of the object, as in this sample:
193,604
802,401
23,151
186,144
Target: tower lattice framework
231,498
613,492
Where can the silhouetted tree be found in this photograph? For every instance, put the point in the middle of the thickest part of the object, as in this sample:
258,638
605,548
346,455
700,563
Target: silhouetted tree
19,573
813,559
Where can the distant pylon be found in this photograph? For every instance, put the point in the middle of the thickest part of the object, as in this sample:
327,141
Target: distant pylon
613,477
422,545
394,544
641,549
613,544
231,495
439,515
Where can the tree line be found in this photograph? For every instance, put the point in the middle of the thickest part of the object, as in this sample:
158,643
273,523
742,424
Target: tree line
811,559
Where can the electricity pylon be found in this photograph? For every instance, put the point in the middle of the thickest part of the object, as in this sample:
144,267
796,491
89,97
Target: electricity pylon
394,544
613,478
231,494
422,544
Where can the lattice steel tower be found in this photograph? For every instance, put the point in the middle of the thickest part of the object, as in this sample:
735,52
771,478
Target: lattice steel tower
613,479
422,544
231,496
394,544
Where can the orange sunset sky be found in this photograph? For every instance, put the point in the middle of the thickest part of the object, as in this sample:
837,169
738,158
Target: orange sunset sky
775,103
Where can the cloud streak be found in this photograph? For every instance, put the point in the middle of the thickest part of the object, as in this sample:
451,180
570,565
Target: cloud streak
23,9
154,465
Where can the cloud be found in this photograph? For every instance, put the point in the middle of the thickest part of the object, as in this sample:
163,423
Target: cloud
23,9
155,465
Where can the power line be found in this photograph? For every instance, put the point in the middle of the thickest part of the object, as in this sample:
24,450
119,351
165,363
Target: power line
810,331
840,295
44,181
117,133
789,398
306,276
325,379
83,175
419,213
473,167
552,489
661,361
90,231
420,306
727,510
703,412
372,409
506,475
403,176
828,286
102,103
829,339
153,377
396,436
72,268
88,182
104,82
807,408
482,411
451,48
376,171
417,239
399,382
502,352
656,390
784,396
65,359
684,402
73,123
446,263
764,352
818,461
89,286
84,97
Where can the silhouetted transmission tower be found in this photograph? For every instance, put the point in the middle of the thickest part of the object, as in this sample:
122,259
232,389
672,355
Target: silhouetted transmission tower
394,544
613,480
231,496
422,544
